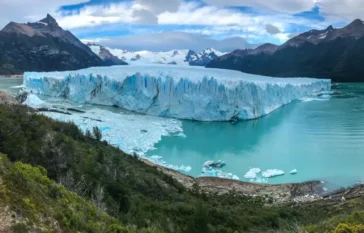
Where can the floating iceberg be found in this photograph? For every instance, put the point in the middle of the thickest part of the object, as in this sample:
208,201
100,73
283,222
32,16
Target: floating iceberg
178,92
252,173
214,164
272,173
218,173
293,172
256,175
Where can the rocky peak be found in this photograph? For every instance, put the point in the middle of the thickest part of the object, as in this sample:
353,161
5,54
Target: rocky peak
355,24
19,28
330,28
50,21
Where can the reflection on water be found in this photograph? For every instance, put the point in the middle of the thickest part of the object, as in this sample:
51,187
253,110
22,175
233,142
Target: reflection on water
321,139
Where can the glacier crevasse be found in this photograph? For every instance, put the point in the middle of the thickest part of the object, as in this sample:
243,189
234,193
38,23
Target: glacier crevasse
179,92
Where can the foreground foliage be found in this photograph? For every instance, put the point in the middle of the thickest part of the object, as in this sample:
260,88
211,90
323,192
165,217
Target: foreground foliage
120,189
38,201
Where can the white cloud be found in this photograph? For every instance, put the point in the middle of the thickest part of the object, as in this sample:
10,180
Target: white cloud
166,41
159,6
30,10
286,6
94,15
346,10
192,13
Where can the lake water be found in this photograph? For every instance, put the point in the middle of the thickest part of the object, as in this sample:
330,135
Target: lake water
8,84
323,139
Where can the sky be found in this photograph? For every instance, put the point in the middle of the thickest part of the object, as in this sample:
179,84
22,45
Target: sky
162,25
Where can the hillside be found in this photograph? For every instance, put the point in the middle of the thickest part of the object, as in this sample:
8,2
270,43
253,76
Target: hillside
42,46
138,195
331,53
31,202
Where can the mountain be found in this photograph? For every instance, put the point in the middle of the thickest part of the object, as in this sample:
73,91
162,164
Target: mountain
105,55
236,59
330,53
42,46
174,57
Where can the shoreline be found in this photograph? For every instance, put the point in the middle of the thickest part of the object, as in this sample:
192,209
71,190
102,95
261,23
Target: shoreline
14,76
275,194
303,193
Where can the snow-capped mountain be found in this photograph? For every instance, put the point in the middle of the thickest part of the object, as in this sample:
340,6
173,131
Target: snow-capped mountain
174,57
105,55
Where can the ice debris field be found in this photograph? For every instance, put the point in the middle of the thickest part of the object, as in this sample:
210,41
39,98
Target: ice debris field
174,91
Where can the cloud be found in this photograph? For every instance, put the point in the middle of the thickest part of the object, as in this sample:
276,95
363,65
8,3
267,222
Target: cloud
159,6
192,13
271,29
342,9
30,10
145,17
146,11
167,41
290,36
286,6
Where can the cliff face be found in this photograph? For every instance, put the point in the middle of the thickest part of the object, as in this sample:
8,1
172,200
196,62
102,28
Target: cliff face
42,46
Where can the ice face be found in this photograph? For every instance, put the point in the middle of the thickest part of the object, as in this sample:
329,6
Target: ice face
178,92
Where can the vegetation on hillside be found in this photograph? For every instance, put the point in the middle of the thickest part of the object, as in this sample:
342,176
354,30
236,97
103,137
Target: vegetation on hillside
123,190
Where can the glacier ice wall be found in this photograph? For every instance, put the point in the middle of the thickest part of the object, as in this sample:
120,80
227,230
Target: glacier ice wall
178,92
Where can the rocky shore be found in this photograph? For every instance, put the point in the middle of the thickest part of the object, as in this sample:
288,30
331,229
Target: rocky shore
6,98
281,193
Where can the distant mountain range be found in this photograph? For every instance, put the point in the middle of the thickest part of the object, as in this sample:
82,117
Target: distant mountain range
43,46
331,53
174,57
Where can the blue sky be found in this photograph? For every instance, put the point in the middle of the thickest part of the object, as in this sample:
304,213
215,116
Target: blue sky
165,24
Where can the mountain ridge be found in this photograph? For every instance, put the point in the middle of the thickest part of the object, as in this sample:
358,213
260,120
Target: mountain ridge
329,53
42,46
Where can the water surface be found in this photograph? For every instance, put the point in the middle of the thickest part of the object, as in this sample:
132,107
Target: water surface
10,84
322,139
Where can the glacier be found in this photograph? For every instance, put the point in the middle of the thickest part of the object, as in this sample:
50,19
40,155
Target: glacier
193,93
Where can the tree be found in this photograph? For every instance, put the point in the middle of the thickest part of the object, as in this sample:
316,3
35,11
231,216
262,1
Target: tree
88,134
97,133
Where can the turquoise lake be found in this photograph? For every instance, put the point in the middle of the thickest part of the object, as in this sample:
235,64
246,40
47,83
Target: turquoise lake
323,139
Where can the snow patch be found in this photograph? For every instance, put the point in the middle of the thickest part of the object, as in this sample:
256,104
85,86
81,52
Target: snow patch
322,36
45,24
